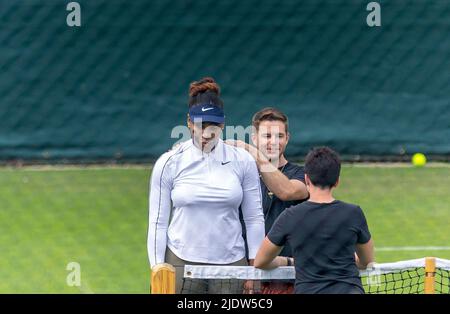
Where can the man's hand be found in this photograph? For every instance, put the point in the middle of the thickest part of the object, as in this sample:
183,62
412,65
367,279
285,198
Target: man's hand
241,144
256,154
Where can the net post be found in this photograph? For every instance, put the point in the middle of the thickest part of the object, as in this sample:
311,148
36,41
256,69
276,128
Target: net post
163,279
430,272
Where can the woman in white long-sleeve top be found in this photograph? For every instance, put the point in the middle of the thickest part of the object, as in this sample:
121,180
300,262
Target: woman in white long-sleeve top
195,195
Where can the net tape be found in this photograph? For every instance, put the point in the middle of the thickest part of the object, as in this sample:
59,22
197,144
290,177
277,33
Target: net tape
288,272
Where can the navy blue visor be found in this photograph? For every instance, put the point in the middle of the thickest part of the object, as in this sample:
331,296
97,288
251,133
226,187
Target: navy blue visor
206,113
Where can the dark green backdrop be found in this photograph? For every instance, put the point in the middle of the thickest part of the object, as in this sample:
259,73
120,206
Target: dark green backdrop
116,86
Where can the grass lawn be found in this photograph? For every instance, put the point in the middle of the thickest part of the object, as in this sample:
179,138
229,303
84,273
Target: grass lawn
98,218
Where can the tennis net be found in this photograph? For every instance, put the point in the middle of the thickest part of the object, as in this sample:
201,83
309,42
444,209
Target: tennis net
424,275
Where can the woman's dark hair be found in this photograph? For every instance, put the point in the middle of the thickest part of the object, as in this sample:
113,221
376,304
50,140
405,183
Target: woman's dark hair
323,166
205,92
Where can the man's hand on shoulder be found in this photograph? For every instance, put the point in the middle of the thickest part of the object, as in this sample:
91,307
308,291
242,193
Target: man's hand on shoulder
254,152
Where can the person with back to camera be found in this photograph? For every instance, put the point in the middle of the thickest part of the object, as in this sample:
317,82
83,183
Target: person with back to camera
330,239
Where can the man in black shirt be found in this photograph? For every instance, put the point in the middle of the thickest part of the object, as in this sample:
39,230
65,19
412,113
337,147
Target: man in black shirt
282,182
323,233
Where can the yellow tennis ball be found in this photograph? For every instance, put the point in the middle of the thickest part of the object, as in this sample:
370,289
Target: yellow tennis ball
419,160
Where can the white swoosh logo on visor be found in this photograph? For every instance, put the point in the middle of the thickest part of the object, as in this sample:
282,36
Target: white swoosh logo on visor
206,109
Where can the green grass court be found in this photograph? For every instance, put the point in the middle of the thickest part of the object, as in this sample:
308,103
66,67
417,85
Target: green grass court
98,218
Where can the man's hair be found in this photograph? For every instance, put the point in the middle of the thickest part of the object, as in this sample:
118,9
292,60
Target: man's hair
269,114
323,165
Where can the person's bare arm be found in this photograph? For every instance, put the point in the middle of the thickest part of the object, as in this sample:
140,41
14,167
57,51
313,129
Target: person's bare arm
280,185
364,254
267,256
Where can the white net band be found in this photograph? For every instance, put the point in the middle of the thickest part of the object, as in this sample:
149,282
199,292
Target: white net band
443,264
288,272
237,272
